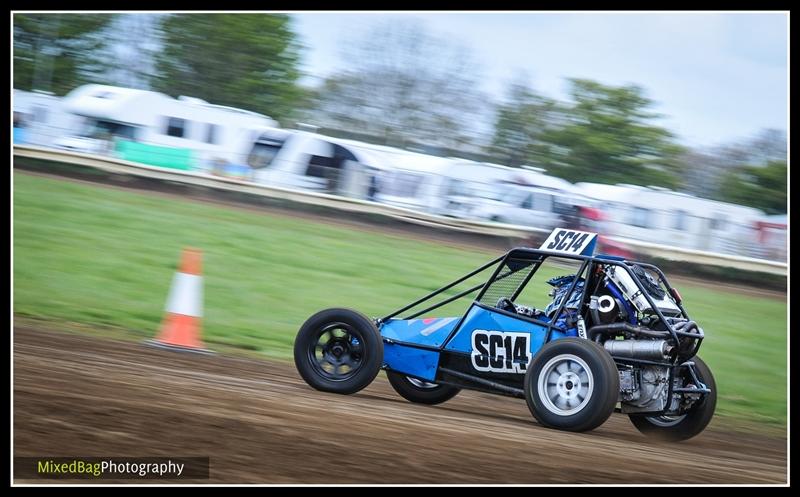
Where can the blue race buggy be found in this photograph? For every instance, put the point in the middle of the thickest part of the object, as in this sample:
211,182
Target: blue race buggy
613,337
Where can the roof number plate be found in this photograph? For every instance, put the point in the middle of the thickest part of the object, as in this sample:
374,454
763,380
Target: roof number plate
571,242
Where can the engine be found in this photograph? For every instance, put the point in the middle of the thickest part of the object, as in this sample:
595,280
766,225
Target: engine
625,322
645,389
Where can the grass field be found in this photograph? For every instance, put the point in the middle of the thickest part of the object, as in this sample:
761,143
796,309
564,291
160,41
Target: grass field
104,257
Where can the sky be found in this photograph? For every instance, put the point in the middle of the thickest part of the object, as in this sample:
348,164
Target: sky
717,77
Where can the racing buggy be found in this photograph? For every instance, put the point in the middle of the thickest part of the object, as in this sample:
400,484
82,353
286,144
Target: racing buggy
614,336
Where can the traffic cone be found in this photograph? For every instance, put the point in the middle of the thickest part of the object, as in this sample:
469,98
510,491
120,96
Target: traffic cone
180,329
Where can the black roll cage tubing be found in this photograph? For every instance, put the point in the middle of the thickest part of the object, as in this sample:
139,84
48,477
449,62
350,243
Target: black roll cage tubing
537,257
440,290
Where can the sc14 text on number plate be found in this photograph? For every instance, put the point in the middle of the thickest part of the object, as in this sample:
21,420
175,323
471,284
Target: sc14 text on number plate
571,242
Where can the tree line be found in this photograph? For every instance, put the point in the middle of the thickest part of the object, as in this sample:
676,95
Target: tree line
399,85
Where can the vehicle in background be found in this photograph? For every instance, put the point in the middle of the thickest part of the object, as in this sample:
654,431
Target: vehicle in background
415,181
465,186
191,134
309,161
450,187
658,215
153,128
41,117
401,178
532,206
536,176
772,234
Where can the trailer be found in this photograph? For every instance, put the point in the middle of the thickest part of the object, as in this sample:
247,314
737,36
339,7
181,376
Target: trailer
41,118
304,160
655,214
154,128
444,186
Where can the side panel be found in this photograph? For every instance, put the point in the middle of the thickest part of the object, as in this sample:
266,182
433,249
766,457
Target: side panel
411,360
494,346
479,318
428,331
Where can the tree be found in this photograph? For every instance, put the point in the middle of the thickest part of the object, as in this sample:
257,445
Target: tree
707,169
608,136
242,60
403,85
763,187
768,146
56,52
521,126
133,41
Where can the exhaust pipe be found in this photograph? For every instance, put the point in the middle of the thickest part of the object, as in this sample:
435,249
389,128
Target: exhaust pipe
640,349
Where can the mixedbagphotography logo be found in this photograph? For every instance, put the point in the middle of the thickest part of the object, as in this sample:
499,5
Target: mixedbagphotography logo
116,468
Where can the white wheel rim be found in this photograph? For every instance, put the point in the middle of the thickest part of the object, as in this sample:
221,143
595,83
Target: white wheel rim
565,385
666,421
421,384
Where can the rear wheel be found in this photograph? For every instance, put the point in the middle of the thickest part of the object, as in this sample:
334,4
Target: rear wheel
572,384
690,424
421,392
338,350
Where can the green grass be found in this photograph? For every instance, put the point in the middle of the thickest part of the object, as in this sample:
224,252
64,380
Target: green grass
104,257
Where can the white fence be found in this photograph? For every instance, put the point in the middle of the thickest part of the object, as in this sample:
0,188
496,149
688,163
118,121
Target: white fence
118,166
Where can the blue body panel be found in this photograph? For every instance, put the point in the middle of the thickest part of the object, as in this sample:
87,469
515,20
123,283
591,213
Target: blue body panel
431,332
412,361
479,318
423,364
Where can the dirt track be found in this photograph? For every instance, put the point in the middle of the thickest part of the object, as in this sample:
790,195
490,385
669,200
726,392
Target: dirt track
260,423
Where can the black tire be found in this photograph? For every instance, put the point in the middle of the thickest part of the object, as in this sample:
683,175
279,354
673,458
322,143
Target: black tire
347,333
692,424
420,392
563,378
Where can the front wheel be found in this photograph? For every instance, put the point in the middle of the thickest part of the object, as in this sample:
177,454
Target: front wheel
689,424
572,384
421,392
338,350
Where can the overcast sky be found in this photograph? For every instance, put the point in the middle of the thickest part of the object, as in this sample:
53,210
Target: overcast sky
719,77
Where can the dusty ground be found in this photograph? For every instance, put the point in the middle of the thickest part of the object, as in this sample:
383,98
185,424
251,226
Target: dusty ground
259,422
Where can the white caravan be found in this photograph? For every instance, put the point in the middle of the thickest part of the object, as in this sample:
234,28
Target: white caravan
437,185
214,133
43,117
658,215
532,206
467,186
413,181
310,161
534,176
521,196
444,186
478,190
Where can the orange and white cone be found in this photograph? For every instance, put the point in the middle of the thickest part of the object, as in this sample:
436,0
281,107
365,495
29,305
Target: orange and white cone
180,329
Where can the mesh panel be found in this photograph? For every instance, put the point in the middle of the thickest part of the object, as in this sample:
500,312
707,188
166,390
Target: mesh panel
510,277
